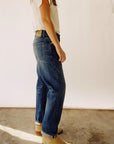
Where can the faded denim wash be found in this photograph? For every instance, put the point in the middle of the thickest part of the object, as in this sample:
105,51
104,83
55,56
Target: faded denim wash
50,86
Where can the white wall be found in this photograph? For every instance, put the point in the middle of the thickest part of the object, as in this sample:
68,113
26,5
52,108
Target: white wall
87,37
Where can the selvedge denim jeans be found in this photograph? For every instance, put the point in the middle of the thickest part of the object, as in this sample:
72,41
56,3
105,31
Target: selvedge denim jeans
50,86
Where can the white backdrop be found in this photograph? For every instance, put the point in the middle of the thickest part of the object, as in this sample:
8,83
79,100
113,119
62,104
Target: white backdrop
113,6
87,37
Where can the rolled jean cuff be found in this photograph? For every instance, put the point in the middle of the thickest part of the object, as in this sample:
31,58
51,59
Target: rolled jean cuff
38,123
47,135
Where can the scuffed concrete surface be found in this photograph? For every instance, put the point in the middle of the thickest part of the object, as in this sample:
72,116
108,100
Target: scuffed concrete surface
80,126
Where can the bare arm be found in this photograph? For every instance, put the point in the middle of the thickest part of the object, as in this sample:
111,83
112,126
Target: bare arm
45,16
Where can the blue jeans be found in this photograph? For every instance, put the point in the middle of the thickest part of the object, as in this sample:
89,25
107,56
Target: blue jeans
50,86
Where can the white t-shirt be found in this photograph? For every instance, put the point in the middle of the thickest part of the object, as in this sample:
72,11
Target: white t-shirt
37,22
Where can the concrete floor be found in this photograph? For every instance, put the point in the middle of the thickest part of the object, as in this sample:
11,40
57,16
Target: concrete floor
80,126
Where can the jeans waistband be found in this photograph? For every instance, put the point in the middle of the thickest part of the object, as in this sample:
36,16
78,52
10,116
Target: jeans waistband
43,33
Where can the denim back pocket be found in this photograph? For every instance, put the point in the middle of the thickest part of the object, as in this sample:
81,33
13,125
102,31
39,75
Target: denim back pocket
38,51
42,48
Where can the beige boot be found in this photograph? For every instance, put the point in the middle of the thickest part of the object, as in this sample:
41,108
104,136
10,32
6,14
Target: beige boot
38,129
56,140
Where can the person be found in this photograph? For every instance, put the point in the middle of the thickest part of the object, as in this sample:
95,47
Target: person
51,84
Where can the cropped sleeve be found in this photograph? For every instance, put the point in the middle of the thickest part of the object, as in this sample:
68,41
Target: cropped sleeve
38,2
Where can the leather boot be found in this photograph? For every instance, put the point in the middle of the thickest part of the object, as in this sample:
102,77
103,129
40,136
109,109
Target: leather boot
56,140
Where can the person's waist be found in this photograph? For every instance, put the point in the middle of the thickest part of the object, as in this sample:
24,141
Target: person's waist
43,33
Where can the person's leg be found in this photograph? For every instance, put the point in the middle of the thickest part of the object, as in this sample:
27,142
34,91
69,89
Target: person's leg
52,75
55,97
41,88
41,94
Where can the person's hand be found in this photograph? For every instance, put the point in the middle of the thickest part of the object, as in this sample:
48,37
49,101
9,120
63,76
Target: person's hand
61,53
